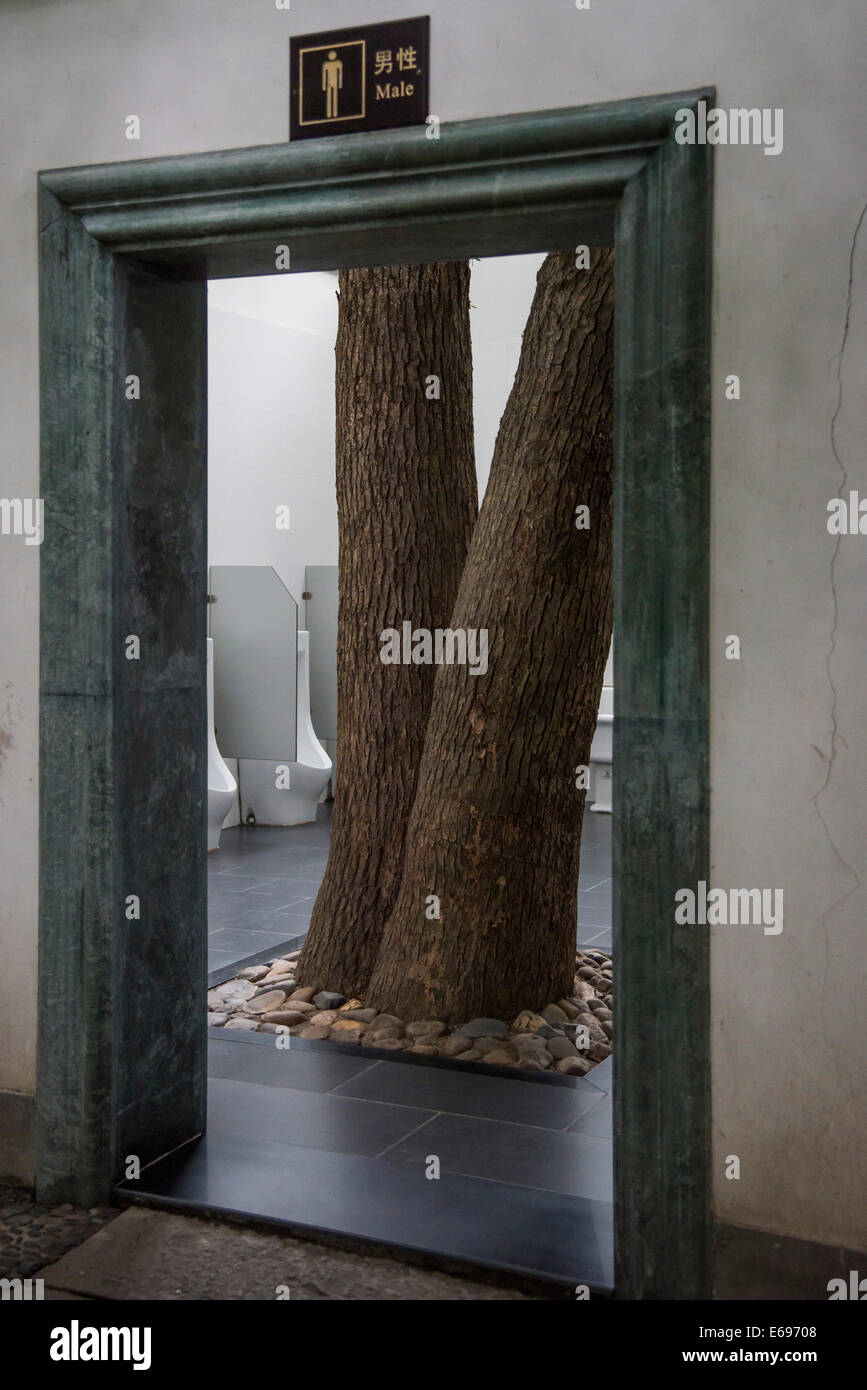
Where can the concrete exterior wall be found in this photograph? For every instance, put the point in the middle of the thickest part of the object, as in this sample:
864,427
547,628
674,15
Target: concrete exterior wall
789,736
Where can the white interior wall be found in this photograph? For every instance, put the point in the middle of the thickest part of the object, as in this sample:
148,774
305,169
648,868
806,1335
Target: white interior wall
271,406
788,733
501,292
271,424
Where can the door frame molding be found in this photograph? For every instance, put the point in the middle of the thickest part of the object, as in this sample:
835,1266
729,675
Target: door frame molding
125,250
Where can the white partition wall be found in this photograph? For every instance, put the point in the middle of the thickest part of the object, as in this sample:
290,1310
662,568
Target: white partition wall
254,624
321,609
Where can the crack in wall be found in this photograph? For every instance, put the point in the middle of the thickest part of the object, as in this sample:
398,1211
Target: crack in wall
832,647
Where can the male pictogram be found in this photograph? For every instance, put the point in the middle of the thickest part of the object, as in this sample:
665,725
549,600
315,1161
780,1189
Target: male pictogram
332,83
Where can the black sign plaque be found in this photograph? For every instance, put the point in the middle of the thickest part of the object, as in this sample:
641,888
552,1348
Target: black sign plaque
374,77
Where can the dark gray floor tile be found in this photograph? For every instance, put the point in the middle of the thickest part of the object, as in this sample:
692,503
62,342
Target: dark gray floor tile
243,912
233,886
491,1097
597,1122
238,1038
330,1122
225,894
248,919
556,1162
500,1226
245,942
602,1075
225,1058
218,960
301,884
602,939
592,921
294,923
245,923
595,874
290,1068
270,897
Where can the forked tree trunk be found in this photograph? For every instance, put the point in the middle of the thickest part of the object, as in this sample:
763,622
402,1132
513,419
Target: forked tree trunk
495,828
406,505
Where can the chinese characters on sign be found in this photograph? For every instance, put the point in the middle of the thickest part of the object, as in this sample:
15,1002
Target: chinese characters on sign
374,77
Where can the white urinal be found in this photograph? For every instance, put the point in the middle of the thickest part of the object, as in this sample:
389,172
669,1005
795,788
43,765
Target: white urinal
222,787
601,754
264,794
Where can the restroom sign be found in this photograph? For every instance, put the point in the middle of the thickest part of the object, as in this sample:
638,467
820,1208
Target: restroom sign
374,77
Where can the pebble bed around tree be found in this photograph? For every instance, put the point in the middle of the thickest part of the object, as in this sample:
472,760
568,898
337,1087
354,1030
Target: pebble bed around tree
568,1035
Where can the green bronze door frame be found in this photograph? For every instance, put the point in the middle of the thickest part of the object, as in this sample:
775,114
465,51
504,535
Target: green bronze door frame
125,252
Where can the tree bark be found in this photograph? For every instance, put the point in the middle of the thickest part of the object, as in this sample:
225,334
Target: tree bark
496,824
407,503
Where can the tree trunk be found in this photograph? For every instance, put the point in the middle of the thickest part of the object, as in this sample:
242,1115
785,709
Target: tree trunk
496,824
407,504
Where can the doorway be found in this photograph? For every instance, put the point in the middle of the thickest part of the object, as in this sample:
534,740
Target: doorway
300,1073
126,250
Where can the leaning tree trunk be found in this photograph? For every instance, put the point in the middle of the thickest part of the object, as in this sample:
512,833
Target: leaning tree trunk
496,825
406,506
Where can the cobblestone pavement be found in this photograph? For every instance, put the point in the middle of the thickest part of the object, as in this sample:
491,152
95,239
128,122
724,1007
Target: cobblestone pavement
32,1235
152,1255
